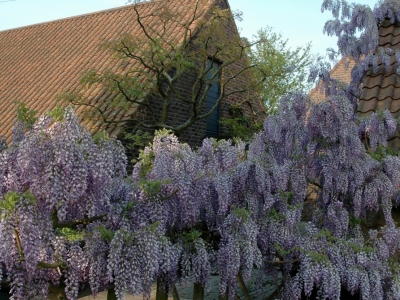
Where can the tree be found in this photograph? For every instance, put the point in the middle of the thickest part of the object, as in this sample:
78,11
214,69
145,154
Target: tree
157,61
284,69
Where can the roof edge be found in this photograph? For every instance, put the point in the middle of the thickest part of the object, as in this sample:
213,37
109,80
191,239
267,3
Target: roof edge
317,87
126,6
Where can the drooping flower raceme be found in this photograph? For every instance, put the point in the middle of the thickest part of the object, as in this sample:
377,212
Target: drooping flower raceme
55,177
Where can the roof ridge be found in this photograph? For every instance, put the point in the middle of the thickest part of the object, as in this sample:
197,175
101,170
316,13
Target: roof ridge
123,7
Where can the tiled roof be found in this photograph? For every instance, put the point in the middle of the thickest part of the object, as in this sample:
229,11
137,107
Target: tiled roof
381,90
39,62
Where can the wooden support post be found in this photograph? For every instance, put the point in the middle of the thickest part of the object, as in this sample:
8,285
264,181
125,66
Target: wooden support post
175,294
111,294
242,285
57,292
224,296
161,293
198,291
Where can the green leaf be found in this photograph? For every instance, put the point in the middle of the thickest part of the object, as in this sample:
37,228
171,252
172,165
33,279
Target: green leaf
71,235
11,199
191,236
106,234
25,114
100,136
154,226
57,113
242,213
282,252
318,256
151,187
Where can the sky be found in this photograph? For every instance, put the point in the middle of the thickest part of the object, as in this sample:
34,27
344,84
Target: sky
297,21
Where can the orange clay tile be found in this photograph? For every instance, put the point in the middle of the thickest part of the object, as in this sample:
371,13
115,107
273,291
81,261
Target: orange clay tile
39,62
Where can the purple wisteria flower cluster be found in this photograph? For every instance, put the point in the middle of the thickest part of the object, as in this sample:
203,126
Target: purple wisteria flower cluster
55,177
247,204
70,215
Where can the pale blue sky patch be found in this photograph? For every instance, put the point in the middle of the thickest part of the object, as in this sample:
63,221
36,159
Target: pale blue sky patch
299,21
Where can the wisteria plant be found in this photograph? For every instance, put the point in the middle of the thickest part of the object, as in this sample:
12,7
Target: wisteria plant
54,181
70,216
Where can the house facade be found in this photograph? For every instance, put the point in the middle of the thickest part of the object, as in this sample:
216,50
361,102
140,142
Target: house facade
40,62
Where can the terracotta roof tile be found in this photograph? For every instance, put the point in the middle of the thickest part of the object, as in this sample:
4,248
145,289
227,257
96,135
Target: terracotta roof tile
381,90
39,62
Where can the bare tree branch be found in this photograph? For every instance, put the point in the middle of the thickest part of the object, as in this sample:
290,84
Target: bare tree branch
164,61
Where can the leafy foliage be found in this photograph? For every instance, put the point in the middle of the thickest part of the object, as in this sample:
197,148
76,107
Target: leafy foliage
25,115
241,126
283,68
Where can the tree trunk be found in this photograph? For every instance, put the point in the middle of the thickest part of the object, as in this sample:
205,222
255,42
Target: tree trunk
57,292
198,291
161,293
111,294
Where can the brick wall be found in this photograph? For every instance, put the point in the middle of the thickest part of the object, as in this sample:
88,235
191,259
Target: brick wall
179,110
341,71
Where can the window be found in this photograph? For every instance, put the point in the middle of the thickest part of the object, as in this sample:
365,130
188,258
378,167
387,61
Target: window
212,121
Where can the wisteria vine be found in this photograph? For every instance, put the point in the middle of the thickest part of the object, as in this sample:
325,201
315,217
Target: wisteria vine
70,215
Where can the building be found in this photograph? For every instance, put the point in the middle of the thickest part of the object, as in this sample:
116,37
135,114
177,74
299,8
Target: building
42,61
381,89
341,72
